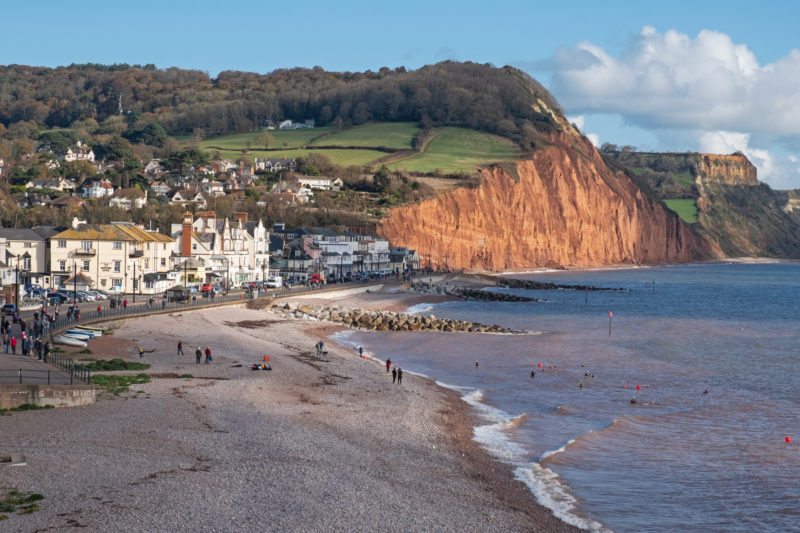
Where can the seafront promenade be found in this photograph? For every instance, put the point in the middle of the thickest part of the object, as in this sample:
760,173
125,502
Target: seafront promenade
28,369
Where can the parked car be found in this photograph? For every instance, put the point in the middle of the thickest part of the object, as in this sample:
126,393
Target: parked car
207,287
60,298
274,282
10,309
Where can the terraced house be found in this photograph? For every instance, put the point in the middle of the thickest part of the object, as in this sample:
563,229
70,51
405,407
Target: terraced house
117,257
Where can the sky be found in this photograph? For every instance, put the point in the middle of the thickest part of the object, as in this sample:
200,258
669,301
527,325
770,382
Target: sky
702,75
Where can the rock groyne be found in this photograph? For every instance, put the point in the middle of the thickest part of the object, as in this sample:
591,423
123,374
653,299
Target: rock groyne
379,320
470,294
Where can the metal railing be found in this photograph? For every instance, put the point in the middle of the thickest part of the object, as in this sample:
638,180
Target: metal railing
41,377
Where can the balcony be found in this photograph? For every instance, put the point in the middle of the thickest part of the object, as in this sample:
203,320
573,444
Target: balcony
86,252
136,253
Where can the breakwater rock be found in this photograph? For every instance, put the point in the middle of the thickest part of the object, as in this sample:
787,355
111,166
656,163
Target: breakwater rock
470,294
385,320
513,283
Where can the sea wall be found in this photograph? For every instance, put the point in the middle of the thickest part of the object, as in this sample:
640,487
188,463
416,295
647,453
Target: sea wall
14,395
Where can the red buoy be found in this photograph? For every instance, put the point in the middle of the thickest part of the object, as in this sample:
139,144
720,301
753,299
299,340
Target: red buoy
638,387
788,440
540,365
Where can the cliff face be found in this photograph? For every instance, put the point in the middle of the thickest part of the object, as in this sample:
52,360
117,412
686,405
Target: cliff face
725,170
563,207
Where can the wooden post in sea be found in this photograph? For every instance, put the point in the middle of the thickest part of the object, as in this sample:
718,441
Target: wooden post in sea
610,315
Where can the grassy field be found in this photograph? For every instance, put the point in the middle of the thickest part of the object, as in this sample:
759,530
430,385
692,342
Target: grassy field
340,157
388,134
458,150
684,207
452,150
283,139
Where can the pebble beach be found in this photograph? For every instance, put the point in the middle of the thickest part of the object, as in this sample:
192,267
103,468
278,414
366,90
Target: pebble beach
319,443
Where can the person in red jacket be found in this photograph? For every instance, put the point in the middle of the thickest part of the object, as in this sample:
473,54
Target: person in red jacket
14,345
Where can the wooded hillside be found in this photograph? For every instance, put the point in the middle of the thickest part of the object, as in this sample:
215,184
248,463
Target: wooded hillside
481,97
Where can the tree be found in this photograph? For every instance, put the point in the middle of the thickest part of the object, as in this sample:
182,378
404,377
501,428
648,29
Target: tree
382,179
608,147
265,138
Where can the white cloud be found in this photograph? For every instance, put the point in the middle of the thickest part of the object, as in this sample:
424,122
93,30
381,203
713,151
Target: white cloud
594,138
577,120
707,89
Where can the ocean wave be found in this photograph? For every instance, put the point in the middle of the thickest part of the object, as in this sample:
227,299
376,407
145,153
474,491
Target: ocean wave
419,308
552,493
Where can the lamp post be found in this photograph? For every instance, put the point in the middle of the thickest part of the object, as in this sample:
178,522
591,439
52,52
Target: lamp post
74,282
16,291
134,282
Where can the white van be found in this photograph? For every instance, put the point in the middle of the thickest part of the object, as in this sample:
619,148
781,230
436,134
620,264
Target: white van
274,282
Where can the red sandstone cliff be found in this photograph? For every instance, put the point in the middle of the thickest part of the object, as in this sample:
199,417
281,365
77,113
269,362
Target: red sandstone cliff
726,170
566,208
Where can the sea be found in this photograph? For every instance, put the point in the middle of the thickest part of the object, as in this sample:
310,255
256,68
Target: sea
709,353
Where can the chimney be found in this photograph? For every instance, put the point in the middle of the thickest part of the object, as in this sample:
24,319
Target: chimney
186,235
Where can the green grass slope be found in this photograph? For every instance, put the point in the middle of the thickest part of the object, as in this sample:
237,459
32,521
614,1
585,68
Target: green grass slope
684,207
454,150
451,150
397,135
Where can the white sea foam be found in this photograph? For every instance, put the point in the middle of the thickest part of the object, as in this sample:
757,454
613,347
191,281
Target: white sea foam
419,308
552,493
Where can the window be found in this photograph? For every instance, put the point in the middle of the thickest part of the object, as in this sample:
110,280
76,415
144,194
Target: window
164,246
86,245
148,245
117,266
117,245
62,244
28,245
194,246
146,263
116,282
62,266
26,263
86,265
163,261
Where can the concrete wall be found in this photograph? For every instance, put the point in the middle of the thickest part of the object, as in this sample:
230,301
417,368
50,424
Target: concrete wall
57,395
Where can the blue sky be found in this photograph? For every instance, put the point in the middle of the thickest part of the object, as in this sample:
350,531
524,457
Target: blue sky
700,75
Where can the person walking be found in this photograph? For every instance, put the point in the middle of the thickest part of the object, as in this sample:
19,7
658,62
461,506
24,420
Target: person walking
208,354
394,375
125,303
14,345
6,341
141,352
388,364
198,354
180,347
399,376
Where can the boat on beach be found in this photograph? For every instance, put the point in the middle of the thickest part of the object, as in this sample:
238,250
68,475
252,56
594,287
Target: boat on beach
66,340
97,331
80,331
78,336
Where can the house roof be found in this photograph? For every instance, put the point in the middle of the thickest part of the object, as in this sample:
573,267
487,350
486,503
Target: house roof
132,192
116,231
20,234
67,201
82,279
